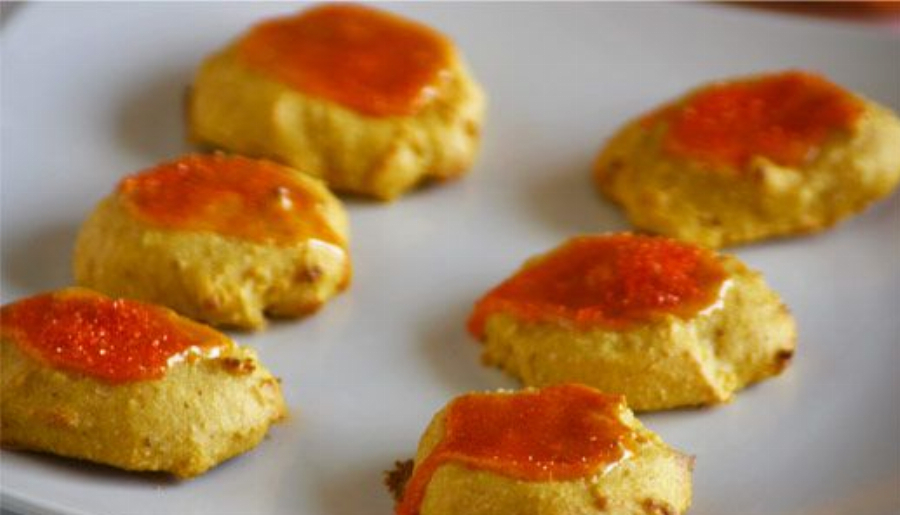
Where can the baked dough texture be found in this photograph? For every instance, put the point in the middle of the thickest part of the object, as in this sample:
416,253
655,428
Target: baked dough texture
718,206
203,411
242,110
654,480
207,276
747,336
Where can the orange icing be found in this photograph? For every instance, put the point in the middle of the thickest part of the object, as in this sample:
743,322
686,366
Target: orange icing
559,433
368,60
116,340
253,200
611,281
785,117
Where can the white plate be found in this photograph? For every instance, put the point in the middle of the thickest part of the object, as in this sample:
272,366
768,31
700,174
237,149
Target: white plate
93,91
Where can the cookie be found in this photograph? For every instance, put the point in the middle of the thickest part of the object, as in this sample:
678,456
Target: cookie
666,323
560,450
222,239
128,384
370,102
752,158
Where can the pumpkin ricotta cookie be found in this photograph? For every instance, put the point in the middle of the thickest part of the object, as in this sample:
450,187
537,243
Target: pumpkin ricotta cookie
752,158
368,101
128,384
221,239
665,323
562,450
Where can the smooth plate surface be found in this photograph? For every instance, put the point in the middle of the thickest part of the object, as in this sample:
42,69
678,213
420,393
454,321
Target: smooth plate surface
91,92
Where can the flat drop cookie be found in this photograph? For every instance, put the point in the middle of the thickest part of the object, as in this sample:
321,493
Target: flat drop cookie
221,239
370,102
128,384
752,158
665,323
562,450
